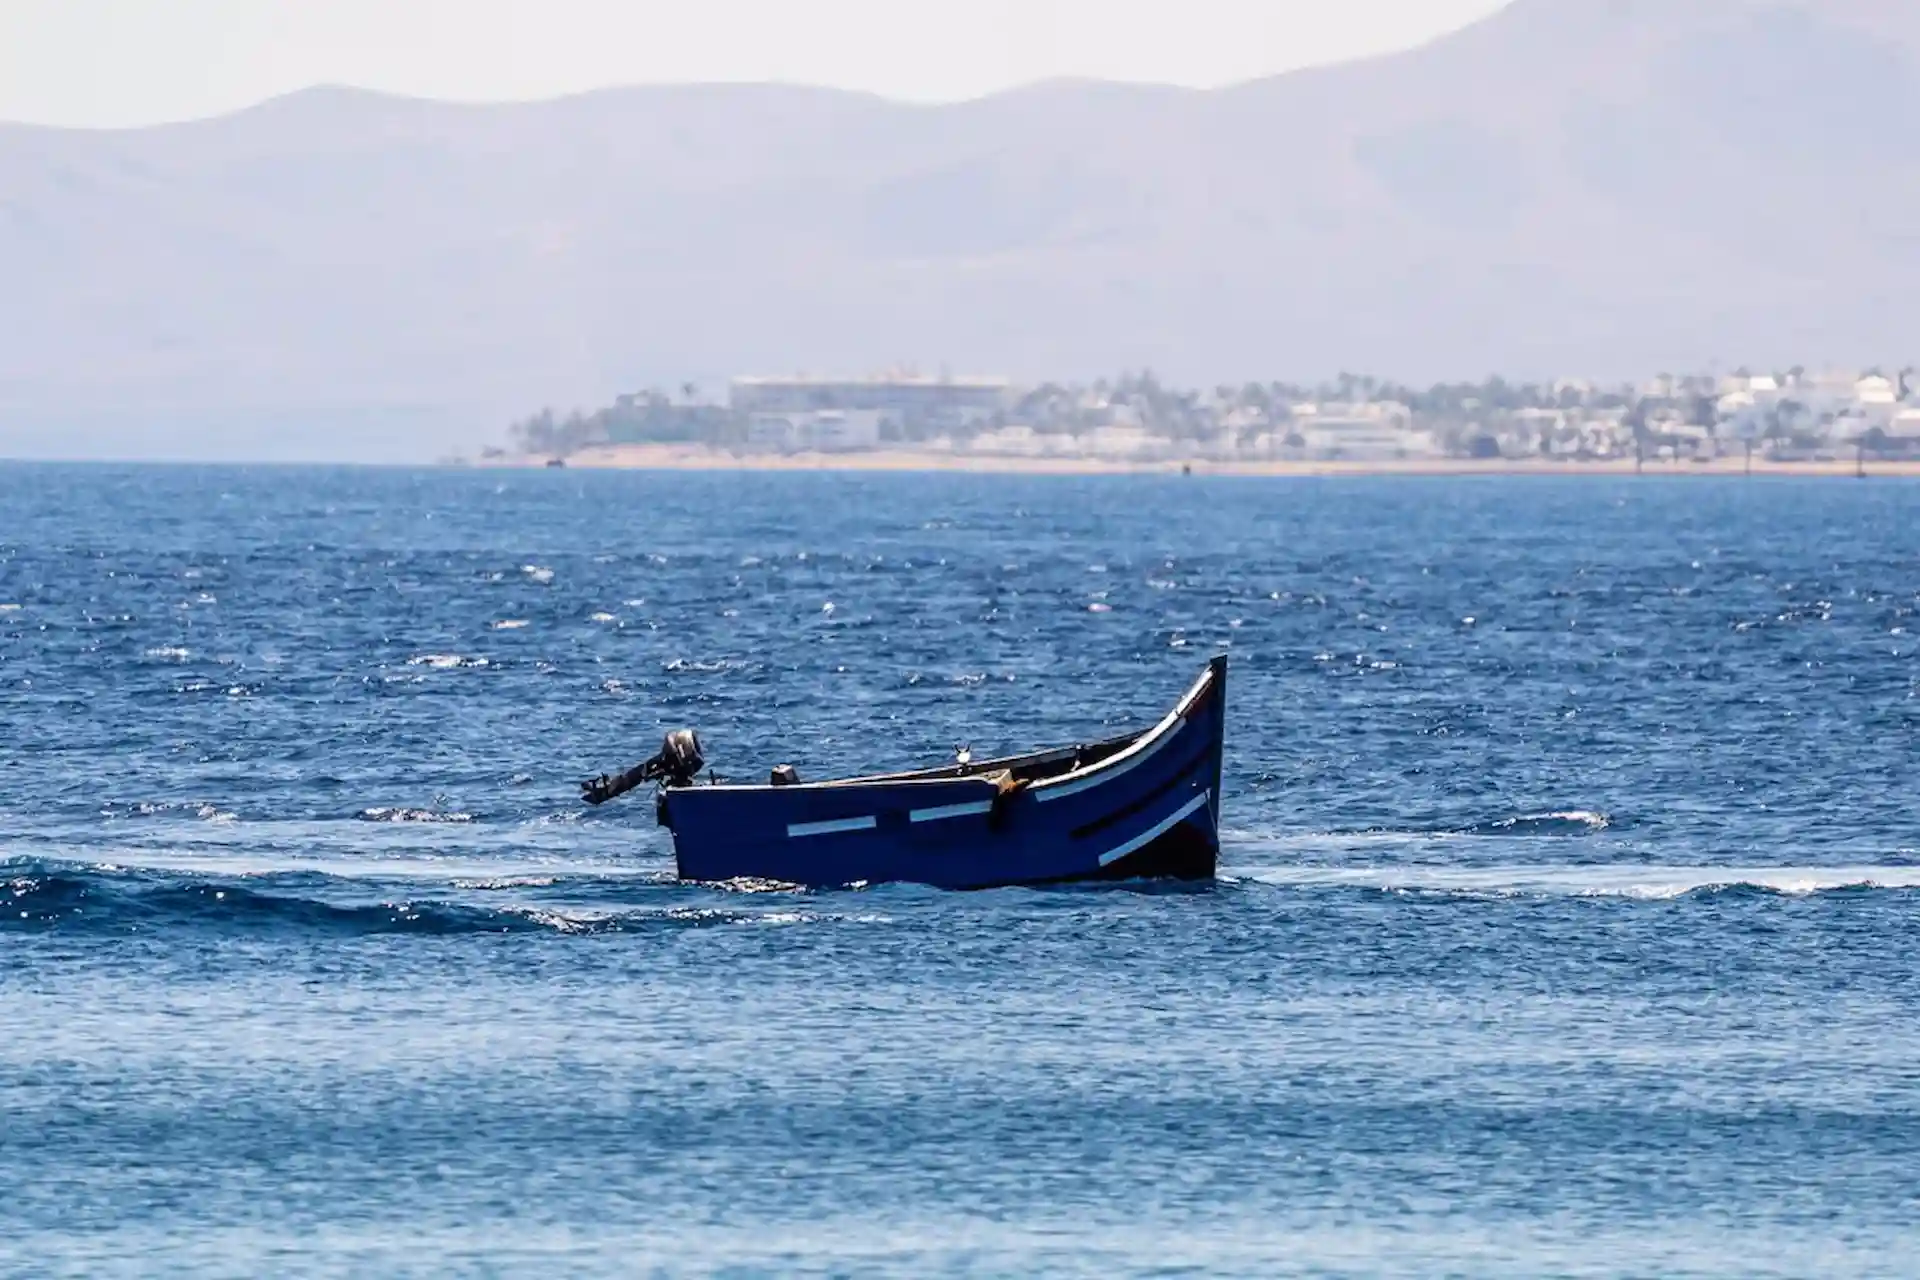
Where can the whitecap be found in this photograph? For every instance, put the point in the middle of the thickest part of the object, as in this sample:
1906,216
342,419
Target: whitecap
173,653
537,573
567,922
445,661
1559,822
603,617
383,814
512,624
1097,607
702,666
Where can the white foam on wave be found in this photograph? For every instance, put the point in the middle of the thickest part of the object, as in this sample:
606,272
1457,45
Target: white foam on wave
157,808
1643,883
445,661
1586,819
704,665
170,652
512,624
537,573
412,815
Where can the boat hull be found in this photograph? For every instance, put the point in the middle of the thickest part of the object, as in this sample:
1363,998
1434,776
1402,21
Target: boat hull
1146,807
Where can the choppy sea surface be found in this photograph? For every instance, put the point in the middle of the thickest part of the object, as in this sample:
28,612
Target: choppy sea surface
1567,924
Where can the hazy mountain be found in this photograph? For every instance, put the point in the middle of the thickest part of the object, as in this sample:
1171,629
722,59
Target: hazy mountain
1600,186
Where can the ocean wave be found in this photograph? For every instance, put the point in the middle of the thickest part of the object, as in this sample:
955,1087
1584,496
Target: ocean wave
382,814
122,900
493,883
1569,822
1636,883
445,661
704,666
160,808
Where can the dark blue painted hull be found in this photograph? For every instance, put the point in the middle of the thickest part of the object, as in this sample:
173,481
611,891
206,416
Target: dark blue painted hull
1146,806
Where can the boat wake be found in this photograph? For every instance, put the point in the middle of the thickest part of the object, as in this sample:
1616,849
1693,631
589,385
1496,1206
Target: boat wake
1643,883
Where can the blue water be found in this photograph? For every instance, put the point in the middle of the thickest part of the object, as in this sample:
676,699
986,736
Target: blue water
1567,923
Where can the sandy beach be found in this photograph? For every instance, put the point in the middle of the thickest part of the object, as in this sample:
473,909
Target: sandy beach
676,457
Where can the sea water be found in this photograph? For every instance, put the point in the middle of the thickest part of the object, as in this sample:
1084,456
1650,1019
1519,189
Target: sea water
1566,926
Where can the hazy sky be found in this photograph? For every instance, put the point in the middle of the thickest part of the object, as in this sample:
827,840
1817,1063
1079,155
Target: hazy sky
121,62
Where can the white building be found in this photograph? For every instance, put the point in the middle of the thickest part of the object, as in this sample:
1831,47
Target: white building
1119,441
1373,431
1905,426
897,399
826,431
1742,416
1877,400
1015,441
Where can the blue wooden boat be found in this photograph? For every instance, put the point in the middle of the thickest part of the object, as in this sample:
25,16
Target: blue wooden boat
1144,806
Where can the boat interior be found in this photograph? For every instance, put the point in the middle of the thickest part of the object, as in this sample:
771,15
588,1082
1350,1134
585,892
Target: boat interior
1008,771
1021,770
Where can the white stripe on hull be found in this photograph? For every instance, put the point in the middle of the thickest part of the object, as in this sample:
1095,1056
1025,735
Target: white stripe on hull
795,830
946,811
1154,832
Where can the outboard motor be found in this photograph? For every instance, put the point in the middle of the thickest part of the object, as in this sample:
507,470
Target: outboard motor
680,760
678,765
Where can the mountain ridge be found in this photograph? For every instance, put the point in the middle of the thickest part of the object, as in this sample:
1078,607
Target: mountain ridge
1601,187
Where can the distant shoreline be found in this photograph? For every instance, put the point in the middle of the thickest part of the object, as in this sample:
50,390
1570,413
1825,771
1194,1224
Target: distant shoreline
671,457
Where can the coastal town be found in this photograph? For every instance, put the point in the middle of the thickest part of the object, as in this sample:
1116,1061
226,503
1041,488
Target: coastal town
1135,420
